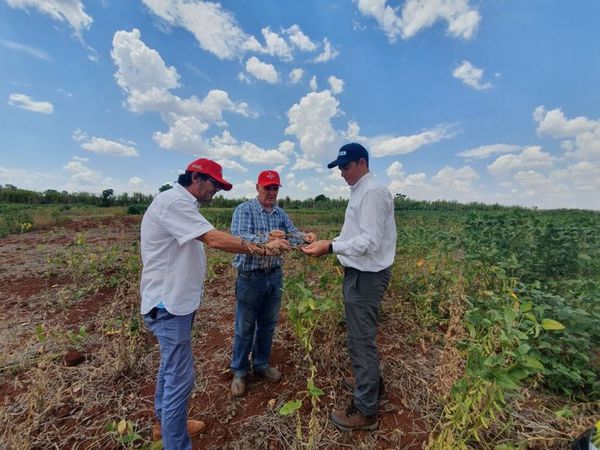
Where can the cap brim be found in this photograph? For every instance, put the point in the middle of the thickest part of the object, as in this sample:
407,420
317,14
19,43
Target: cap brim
225,185
332,164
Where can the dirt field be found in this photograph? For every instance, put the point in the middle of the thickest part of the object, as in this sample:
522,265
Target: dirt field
76,359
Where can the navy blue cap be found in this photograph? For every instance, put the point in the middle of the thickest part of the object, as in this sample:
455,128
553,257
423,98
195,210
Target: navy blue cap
349,152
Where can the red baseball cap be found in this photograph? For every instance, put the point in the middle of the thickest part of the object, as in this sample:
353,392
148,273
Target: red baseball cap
268,178
210,168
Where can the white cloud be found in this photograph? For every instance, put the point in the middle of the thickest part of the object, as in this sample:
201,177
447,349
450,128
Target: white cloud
296,75
449,183
262,71
106,147
218,32
137,184
226,146
313,83
35,52
146,79
471,76
456,179
529,158
302,164
336,84
25,102
310,122
395,170
487,150
462,19
328,52
71,11
299,39
386,146
583,134
214,28
231,164
276,45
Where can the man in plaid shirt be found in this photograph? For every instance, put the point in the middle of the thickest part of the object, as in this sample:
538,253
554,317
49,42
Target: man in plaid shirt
259,281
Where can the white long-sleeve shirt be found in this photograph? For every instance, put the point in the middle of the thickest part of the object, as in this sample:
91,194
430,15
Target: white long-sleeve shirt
367,241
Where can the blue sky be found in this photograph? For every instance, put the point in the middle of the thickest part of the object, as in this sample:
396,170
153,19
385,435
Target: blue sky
491,101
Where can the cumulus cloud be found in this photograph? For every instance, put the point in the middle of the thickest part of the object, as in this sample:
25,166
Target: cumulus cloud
217,31
395,170
71,11
336,84
328,52
296,75
471,76
386,145
104,146
313,83
225,146
582,134
275,45
487,150
25,102
462,19
530,157
310,121
262,71
302,164
299,39
214,28
147,80
231,164
137,184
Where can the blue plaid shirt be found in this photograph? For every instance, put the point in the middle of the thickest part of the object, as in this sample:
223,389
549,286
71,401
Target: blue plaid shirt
253,223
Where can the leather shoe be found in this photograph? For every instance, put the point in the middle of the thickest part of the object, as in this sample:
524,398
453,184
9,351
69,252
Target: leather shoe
193,427
351,419
238,386
270,374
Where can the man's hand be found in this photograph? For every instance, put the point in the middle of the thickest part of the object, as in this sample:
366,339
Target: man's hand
276,234
309,238
317,248
277,246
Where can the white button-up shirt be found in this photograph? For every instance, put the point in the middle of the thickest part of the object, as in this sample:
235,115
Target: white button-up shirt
367,241
174,260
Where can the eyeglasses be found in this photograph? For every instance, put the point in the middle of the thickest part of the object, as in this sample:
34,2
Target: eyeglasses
215,183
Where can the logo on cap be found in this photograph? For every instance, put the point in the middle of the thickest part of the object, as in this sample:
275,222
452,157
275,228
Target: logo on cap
342,153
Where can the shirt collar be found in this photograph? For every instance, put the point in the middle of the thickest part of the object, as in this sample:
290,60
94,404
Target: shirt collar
185,192
362,181
260,207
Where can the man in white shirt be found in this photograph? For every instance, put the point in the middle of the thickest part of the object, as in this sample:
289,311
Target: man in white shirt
173,234
366,248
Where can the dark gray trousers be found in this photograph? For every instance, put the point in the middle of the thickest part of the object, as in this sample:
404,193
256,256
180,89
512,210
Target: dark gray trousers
363,292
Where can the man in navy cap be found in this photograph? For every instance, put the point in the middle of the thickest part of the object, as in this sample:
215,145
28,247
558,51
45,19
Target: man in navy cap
366,248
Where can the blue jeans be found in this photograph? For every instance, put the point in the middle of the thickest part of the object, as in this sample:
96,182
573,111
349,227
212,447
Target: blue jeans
258,298
175,375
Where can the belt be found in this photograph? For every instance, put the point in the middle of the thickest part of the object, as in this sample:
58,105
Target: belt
266,270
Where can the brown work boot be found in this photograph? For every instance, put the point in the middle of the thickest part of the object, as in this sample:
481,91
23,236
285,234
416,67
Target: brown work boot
194,427
351,418
238,386
350,383
270,374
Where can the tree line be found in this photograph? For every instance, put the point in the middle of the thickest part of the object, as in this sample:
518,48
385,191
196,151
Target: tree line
12,194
